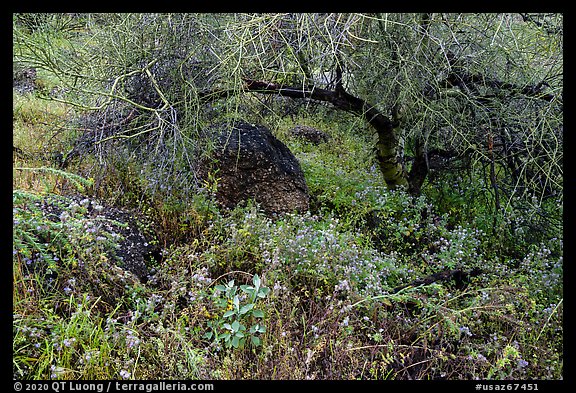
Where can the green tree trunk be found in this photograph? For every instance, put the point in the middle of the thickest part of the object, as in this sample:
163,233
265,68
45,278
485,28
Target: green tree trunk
387,154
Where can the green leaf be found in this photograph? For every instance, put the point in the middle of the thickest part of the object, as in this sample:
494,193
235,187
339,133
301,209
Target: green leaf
258,314
256,341
221,288
246,308
257,328
256,281
387,302
228,326
236,302
235,326
263,292
208,335
235,342
229,313
247,288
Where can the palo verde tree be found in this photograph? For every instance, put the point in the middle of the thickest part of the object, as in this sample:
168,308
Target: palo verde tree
480,92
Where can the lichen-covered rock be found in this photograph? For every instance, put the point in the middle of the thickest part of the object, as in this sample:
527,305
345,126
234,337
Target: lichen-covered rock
310,134
24,80
253,164
136,246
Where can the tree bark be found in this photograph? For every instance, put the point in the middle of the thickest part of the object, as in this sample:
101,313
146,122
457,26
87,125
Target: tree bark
420,168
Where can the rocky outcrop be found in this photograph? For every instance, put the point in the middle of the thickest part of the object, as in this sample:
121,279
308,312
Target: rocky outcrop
253,164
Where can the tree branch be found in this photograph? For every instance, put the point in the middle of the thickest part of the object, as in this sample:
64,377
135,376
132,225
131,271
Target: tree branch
459,276
466,80
340,99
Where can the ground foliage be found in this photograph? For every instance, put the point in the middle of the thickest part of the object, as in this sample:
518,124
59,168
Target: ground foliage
334,293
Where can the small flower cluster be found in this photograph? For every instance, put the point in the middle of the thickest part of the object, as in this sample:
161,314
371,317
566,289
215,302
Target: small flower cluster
132,341
60,228
90,356
458,247
546,263
320,249
201,278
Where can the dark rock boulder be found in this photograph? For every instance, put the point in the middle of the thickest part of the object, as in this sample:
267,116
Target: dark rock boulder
310,134
253,164
137,246
171,72
24,80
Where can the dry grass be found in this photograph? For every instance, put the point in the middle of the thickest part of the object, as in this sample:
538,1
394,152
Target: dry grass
37,136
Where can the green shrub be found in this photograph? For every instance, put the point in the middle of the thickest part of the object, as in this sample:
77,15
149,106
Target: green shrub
241,320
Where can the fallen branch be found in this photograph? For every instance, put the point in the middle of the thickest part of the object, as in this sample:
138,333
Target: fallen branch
459,276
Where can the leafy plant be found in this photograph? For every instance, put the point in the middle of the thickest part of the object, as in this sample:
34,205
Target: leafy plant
231,327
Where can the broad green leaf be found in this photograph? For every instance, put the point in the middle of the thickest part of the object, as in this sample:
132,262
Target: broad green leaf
263,292
246,308
235,342
208,335
256,341
229,313
256,281
258,314
257,328
235,326
221,288
227,326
